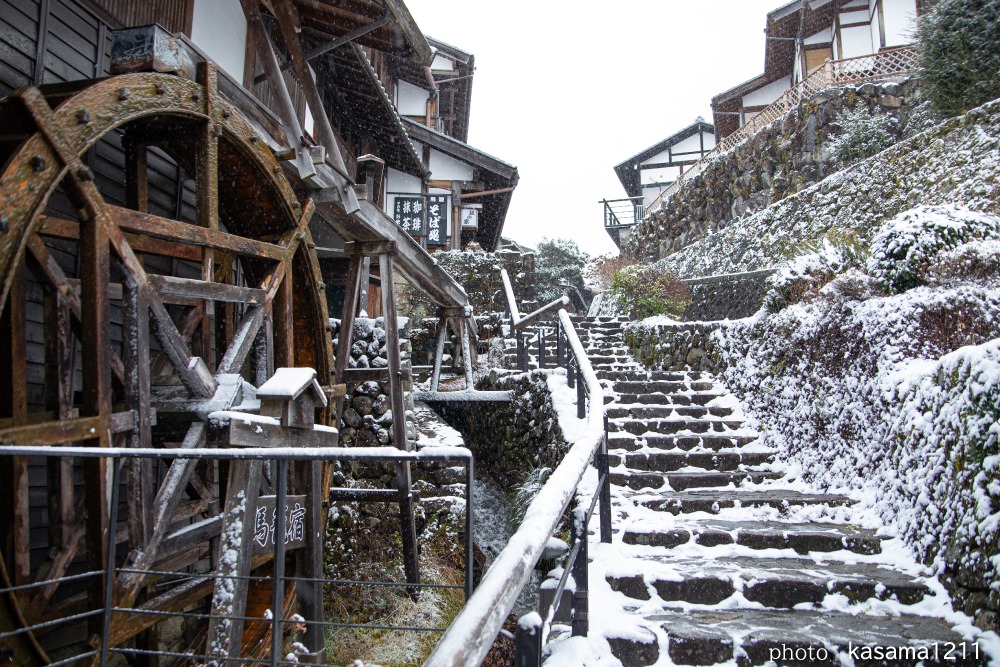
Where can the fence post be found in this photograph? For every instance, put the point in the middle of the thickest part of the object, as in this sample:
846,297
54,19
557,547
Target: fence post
604,503
581,398
581,603
541,347
278,590
528,641
469,525
560,344
571,372
521,363
109,571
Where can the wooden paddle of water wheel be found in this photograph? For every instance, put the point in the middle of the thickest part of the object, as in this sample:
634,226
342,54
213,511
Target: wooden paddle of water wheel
124,328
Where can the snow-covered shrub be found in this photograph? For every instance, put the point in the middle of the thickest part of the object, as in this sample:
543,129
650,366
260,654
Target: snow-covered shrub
920,117
558,262
904,248
863,133
816,263
526,491
599,271
643,290
960,53
979,261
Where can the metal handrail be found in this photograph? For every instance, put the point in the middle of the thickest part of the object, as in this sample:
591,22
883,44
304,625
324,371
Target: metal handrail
471,634
519,321
885,64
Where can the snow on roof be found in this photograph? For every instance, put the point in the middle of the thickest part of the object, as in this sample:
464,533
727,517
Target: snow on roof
289,383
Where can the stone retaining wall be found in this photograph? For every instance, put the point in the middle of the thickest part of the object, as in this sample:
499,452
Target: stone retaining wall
727,297
674,346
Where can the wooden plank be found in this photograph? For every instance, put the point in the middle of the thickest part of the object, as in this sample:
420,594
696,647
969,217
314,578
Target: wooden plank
442,337
181,232
359,375
207,191
135,347
59,432
189,288
252,433
59,398
225,626
69,229
343,351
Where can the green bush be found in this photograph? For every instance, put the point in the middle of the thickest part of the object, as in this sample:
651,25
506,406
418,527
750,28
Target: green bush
960,53
644,290
863,133
906,246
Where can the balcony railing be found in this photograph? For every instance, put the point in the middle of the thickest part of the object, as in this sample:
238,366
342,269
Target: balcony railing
886,64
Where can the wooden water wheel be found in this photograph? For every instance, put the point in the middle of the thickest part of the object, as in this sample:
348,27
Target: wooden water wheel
124,328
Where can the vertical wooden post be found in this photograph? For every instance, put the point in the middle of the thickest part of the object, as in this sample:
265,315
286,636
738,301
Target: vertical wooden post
407,527
13,378
442,336
59,399
581,398
207,193
135,322
284,324
364,283
604,503
347,327
528,641
467,357
580,623
541,347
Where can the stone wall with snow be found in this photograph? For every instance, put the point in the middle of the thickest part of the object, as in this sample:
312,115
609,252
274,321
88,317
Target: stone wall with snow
956,161
894,398
662,344
367,417
779,161
478,273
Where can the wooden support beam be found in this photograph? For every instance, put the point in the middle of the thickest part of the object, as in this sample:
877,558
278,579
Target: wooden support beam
70,229
442,337
407,529
207,190
59,399
288,22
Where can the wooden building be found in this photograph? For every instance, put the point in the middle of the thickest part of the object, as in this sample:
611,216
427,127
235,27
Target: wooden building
804,34
648,172
182,211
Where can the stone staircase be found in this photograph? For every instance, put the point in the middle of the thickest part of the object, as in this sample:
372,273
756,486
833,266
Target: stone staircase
721,556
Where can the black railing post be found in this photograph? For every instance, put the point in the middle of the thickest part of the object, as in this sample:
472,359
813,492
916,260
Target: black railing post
560,344
521,362
528,641
581,603
604,504
541,347
278,594
581,398
469,526
571,372
109,571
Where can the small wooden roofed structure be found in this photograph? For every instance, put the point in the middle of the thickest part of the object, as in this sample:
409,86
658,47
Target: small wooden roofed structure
492,187
807,21
630,171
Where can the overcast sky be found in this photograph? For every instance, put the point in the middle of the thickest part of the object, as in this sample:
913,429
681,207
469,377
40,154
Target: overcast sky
566,89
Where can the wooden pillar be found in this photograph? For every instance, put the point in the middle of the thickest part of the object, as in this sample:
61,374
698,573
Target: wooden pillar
207,194
407,527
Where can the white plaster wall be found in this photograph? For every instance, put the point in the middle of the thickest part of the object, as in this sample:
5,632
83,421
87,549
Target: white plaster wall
219,28
440,62
411,100
767,94
900,21
649,194
856,41
446,168
692,143
854,17
396,182
661,175
821,37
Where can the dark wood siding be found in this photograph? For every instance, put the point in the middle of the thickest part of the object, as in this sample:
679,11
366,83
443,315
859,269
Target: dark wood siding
171,14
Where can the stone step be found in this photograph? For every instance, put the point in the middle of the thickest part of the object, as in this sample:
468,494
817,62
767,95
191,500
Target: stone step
640,411
686,502
697,398
637,375
699,442
812,638
642,387
671,426
720,461
777,583
681,481
803,538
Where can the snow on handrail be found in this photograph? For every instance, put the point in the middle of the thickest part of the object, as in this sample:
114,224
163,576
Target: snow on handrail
470,635
518,320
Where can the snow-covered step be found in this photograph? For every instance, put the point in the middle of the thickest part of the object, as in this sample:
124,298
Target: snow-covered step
681,481
829,638
803,538
641,411
722,461
687,442
777,583
661,386
693,398
667,426
686,502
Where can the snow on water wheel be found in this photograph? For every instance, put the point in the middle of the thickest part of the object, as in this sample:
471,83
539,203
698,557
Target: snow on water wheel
119,328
